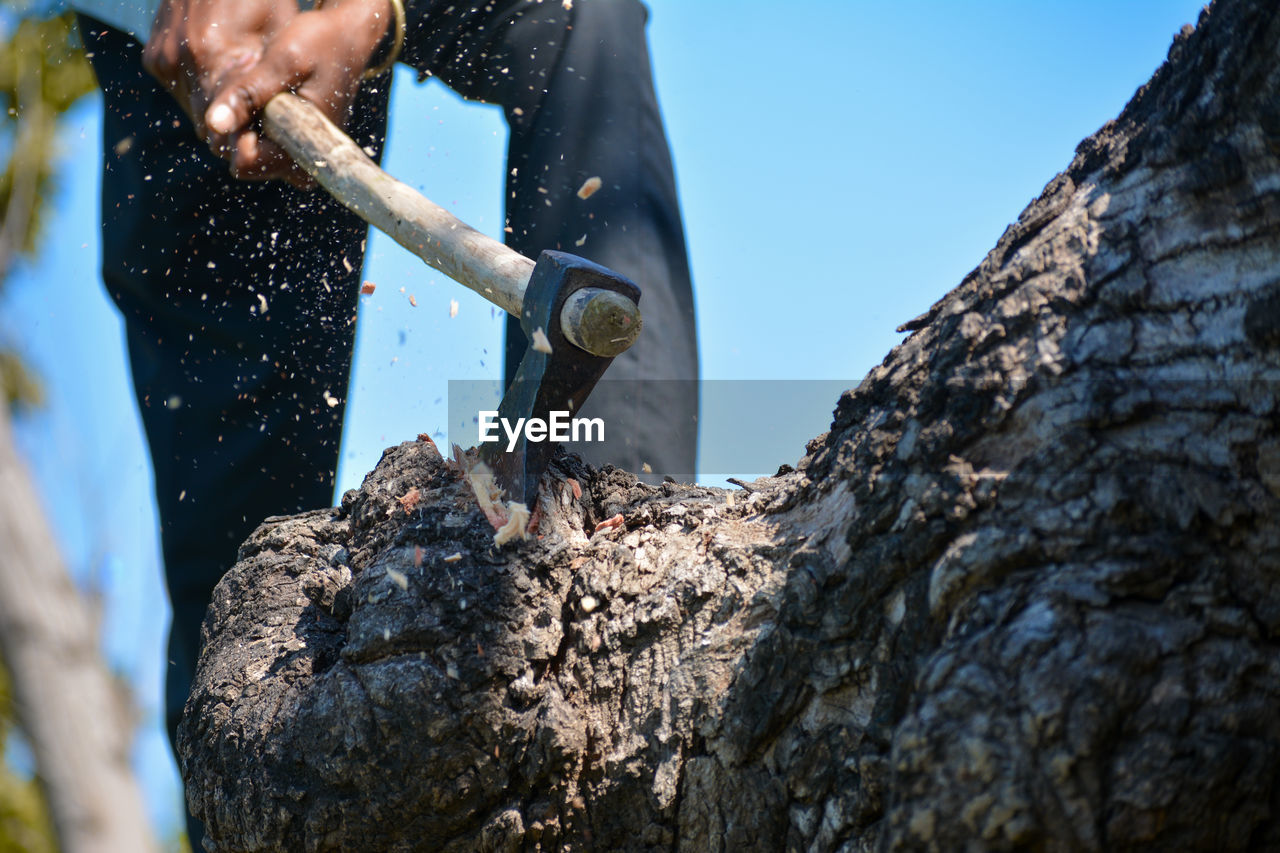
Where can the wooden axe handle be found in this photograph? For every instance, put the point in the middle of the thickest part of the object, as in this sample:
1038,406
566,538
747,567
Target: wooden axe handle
448,244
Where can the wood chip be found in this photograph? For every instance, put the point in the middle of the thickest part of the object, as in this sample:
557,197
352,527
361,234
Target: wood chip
540,342
483,486
453,308
454,557
535,518
609,524
516,526
577,489
413,301
400,579
410,499
589,187
367,288
417,556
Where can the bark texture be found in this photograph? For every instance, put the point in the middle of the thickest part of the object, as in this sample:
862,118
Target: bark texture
1025,594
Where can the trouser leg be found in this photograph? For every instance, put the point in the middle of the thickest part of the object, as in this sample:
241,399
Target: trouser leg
600,118
239,302
577,90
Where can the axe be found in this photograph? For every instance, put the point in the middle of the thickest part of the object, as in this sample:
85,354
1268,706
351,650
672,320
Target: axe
587,313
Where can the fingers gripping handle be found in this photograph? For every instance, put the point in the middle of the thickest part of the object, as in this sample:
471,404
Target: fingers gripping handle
443,241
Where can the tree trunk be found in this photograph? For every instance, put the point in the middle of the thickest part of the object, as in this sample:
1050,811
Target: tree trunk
68,705
1025,594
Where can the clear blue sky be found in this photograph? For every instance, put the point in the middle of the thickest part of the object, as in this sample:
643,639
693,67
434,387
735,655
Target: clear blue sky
842,165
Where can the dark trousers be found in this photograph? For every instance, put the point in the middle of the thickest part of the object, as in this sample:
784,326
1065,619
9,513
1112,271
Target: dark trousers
239,298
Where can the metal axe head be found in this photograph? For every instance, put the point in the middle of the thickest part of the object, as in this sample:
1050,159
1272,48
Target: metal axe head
588,314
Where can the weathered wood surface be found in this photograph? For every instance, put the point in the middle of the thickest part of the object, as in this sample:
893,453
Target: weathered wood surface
1025,594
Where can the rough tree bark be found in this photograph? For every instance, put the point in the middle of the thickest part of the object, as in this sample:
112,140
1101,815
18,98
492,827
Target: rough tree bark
1024,594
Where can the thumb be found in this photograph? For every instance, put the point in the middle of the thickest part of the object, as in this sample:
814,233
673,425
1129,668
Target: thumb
230,111
242,96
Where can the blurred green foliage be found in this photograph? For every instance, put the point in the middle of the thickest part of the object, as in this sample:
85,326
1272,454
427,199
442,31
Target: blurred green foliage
24,821
19,386
43,71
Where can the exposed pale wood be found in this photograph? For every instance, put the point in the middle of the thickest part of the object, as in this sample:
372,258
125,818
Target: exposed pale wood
67,703
601,322
448,244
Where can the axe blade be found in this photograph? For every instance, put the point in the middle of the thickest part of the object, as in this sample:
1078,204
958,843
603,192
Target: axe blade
558,381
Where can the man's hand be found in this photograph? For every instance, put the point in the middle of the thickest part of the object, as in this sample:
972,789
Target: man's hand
195,44
224,59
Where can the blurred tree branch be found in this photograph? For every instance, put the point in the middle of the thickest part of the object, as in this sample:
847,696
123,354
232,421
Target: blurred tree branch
66,700
63,695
